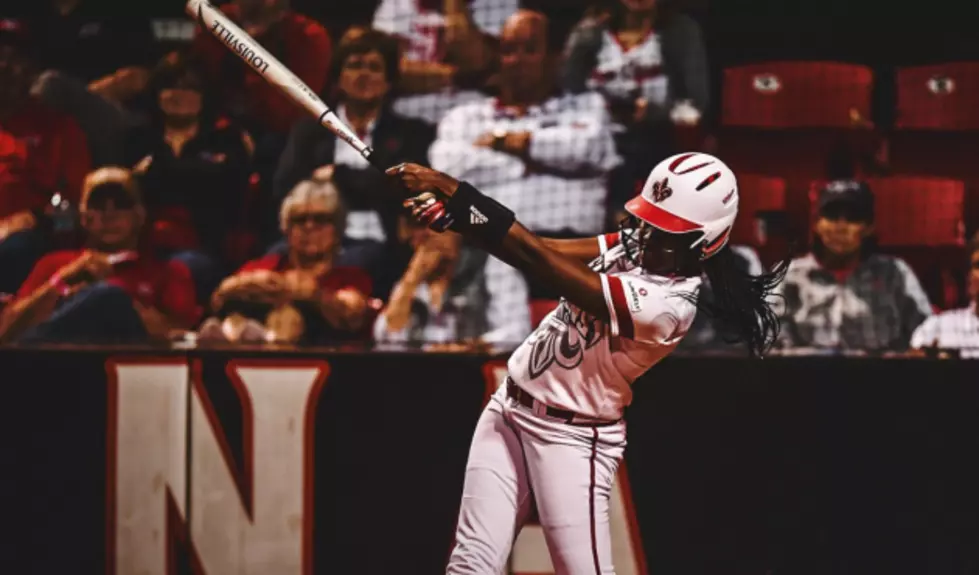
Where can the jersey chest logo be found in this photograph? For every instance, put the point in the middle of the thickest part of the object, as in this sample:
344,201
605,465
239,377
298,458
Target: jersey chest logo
566,346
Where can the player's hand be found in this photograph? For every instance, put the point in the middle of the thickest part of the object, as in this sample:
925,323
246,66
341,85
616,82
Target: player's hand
261,285
418,179
427,210
301,285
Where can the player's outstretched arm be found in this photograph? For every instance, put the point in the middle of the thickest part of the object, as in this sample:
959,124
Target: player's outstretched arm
494,228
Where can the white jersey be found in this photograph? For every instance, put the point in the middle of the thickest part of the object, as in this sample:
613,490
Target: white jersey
421,31
570,137
630,73
577,362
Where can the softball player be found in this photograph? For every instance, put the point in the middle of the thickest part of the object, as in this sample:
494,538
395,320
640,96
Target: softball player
554,432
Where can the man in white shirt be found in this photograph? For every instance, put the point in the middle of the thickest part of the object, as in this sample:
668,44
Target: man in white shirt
546,158
449,47
958,328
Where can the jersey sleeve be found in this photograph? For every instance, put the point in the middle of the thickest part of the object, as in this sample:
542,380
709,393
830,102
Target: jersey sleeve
645,312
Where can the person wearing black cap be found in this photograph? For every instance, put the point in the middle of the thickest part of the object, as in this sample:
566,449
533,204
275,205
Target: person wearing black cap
843,295
109,292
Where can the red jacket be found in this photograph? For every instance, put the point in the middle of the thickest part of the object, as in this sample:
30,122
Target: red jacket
42,151
300,43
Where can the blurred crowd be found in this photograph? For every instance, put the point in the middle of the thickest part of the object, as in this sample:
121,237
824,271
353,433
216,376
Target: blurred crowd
171,194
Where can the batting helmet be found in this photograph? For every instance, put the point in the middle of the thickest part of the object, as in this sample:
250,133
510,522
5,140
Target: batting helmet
690,193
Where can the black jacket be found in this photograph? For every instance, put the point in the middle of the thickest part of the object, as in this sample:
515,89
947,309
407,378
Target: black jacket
395,138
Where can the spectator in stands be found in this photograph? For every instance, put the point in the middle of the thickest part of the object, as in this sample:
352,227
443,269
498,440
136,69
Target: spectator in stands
843,295
650,64
303,45
111,291
43,157
450,50
194,169
108,51
451,298
955,329
545,157
364,70
300,297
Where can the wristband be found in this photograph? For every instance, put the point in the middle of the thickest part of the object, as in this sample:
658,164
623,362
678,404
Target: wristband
479,216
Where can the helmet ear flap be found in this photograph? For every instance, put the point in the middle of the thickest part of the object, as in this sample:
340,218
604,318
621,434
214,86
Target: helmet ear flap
715,246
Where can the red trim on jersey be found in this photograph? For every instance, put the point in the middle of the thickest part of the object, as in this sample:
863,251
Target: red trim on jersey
611,240
662,219
620,308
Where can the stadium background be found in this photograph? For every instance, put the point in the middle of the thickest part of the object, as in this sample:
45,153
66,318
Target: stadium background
800,465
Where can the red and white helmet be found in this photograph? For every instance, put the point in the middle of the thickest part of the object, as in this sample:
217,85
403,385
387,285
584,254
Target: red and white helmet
690,192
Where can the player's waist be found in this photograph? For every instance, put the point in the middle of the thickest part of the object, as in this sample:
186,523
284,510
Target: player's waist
522,397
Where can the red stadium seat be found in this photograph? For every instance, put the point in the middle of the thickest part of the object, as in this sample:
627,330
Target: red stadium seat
792,119
780,95
938,97
937,123
757,195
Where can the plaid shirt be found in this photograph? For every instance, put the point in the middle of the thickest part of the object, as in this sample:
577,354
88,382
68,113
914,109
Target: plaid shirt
953,329
875,307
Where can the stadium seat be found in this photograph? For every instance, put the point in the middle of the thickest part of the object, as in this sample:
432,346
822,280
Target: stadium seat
802,120
758,195
936,130
780,95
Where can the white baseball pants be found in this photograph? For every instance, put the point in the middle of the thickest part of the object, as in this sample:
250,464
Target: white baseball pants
568,470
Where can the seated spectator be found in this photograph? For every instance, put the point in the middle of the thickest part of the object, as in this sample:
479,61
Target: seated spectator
450,51
43,158
843,295
955,329
302,296
109,292
649,62
453,297
547,158
300,43
193,168
364,71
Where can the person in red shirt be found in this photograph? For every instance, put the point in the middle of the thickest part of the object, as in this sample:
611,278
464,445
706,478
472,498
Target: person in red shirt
300,43
109,291
300,296
43,155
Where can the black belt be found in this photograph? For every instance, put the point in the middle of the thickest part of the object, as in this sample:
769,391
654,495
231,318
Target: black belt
516,393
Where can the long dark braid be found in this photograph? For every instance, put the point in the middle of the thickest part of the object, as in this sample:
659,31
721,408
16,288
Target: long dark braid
741,308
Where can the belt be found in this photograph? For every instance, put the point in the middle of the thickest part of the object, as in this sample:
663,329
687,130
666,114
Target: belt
516,393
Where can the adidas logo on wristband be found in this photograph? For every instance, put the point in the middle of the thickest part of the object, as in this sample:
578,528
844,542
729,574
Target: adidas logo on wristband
476,216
